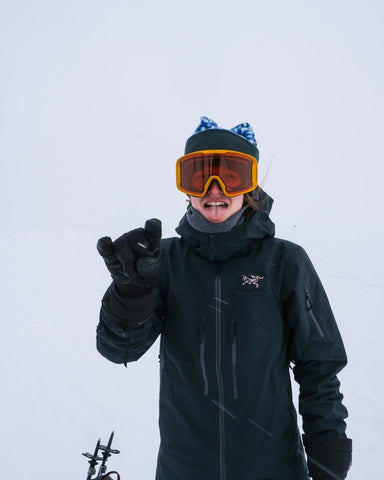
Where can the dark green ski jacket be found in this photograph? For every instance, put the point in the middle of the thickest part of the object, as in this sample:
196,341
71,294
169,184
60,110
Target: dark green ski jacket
234,311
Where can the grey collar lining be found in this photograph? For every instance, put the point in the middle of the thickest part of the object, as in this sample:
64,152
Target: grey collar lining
200,223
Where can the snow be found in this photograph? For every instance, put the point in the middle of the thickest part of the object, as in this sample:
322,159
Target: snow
97,101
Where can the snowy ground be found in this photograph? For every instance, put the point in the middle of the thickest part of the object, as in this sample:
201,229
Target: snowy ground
59,395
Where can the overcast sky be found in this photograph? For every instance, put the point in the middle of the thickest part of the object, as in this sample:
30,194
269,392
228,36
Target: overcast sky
98,98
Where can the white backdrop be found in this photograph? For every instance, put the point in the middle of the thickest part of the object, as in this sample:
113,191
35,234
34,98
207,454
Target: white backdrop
97,100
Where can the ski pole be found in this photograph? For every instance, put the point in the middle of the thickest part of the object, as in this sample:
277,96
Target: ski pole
107,451
93,460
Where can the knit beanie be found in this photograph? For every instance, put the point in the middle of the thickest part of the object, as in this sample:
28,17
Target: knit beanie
208,136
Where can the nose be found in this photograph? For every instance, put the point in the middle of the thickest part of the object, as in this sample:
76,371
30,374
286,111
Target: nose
214,188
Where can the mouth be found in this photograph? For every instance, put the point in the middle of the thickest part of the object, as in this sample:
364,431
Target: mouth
215,205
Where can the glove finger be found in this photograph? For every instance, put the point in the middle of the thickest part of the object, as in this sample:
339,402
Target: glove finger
148,267
152,231
104,246
139,243
124,253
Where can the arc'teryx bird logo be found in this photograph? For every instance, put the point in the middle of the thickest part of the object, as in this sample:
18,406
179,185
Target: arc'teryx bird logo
252,280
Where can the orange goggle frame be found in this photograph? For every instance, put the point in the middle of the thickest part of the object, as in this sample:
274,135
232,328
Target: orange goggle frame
235,172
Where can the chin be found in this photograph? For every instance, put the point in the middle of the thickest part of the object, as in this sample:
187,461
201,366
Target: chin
217,220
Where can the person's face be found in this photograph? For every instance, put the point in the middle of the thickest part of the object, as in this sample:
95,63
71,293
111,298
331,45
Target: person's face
215,206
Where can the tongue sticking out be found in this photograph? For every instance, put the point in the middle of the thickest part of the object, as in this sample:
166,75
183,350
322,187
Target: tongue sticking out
215,210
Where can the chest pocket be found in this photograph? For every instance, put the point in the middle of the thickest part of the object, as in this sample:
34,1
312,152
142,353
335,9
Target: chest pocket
256,319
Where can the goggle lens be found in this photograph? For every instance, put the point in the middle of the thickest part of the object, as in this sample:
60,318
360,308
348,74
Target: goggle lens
236,172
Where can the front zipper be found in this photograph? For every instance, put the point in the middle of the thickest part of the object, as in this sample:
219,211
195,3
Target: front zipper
308,304
213,246
218,372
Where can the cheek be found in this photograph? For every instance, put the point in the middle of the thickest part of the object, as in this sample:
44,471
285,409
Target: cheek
237,202
195,202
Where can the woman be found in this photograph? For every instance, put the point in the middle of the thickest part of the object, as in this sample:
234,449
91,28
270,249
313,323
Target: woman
234,307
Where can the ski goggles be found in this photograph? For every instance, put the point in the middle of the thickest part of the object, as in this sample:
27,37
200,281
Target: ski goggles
235,172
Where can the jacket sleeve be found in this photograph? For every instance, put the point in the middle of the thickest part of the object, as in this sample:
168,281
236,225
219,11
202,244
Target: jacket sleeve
316,347
116,338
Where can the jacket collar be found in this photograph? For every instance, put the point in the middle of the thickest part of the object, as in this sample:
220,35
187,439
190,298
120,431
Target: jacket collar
221,246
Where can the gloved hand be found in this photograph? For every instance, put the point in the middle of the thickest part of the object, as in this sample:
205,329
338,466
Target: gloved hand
329,457
133,259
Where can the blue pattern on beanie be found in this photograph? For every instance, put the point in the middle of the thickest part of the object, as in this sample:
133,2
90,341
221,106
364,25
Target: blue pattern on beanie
243,129
206,124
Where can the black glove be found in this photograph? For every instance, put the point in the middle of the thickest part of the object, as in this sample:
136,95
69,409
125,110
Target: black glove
133,259
329,457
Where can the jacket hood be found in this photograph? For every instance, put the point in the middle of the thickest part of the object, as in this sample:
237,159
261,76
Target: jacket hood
221,246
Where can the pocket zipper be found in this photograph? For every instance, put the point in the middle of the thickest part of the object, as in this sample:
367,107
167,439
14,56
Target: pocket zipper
202,355
308,304
234,357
